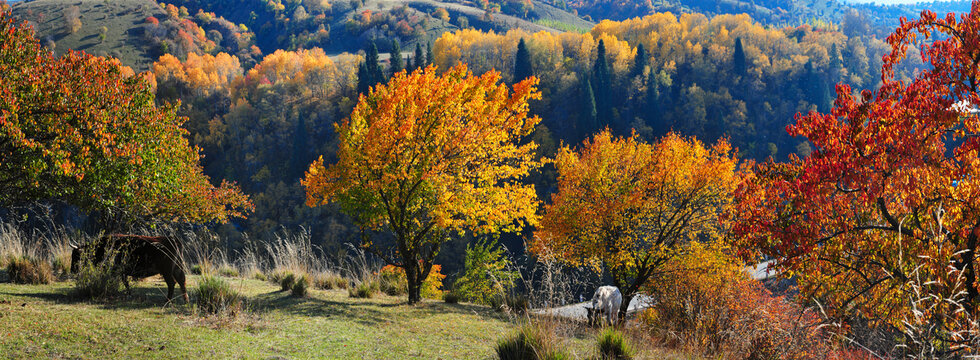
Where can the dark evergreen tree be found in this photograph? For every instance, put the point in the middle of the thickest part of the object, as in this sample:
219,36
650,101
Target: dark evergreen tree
815,88
651,107
420,61
428,54
590,124
640,62
836,64
396,58
409,64
522,63
601,86
738,58
373,68
363,79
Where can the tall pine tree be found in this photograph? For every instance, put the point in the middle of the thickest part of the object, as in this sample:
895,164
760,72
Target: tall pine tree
396,58
420,61
428,54
522,63
590,124
601,86
373,69
640,62
363,79
738,58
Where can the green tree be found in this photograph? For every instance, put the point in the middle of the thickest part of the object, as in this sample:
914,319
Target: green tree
375,75
639,62
590,122
601,84
738,58
363,79
396,58
428,54
486,272
420,61
522,63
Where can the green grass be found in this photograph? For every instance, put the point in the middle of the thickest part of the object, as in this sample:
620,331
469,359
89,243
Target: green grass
43,321
123,19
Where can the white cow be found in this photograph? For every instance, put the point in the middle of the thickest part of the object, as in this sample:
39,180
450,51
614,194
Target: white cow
607,299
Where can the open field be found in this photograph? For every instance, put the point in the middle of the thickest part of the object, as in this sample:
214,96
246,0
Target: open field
44,321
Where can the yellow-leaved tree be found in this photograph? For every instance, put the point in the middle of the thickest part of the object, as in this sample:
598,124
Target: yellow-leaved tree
427,155
628,206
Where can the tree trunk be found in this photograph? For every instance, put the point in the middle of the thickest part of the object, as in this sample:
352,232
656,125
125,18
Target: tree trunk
414,282
627,298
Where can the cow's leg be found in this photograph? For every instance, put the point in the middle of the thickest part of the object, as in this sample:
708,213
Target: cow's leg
615,315
169,278
182,281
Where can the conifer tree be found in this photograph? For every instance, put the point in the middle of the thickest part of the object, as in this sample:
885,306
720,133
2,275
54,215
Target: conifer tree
373,69
601,86
738,58
363,79
522,63
420,61
589,124
428,54
640,62
396,58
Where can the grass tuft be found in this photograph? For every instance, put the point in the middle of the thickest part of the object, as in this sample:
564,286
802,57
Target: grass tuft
215,296
29,270
613,345
300,285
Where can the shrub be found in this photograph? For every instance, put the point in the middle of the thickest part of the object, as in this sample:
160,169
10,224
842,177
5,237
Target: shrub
29,270
393,281
287,282
215,296
341,283
612,345
258,275
707,303
300,285
197,269
98,280
516,303
485,273
530,343
452,297
364,290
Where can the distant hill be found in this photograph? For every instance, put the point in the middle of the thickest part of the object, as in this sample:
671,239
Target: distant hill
122,19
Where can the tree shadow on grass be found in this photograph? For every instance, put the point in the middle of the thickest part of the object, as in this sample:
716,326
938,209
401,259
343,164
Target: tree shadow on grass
368,312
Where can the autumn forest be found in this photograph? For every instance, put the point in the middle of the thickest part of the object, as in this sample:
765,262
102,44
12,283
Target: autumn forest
767,179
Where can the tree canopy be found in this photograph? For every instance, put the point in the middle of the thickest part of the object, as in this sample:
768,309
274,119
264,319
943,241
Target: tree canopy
85,130
428,155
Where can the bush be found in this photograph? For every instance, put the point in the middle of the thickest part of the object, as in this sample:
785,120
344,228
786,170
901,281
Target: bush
287,282
708,304
516,303
259,276
300,285
529,343
393,281
485,273
452,297
215,296
101,280
29,270
364,290
612,345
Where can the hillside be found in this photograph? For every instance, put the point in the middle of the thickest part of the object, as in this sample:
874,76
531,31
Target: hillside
122,19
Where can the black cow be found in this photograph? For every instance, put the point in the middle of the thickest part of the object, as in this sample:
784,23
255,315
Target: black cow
138,257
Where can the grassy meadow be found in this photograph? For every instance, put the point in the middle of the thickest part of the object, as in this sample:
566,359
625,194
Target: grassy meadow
46,321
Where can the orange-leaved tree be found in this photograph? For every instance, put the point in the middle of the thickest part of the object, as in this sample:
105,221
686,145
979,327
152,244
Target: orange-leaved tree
85,130
629,207
426,155
882,219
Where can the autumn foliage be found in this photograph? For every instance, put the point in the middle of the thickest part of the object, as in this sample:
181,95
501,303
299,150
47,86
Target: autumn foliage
882,220
628,207
427,155
85,130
